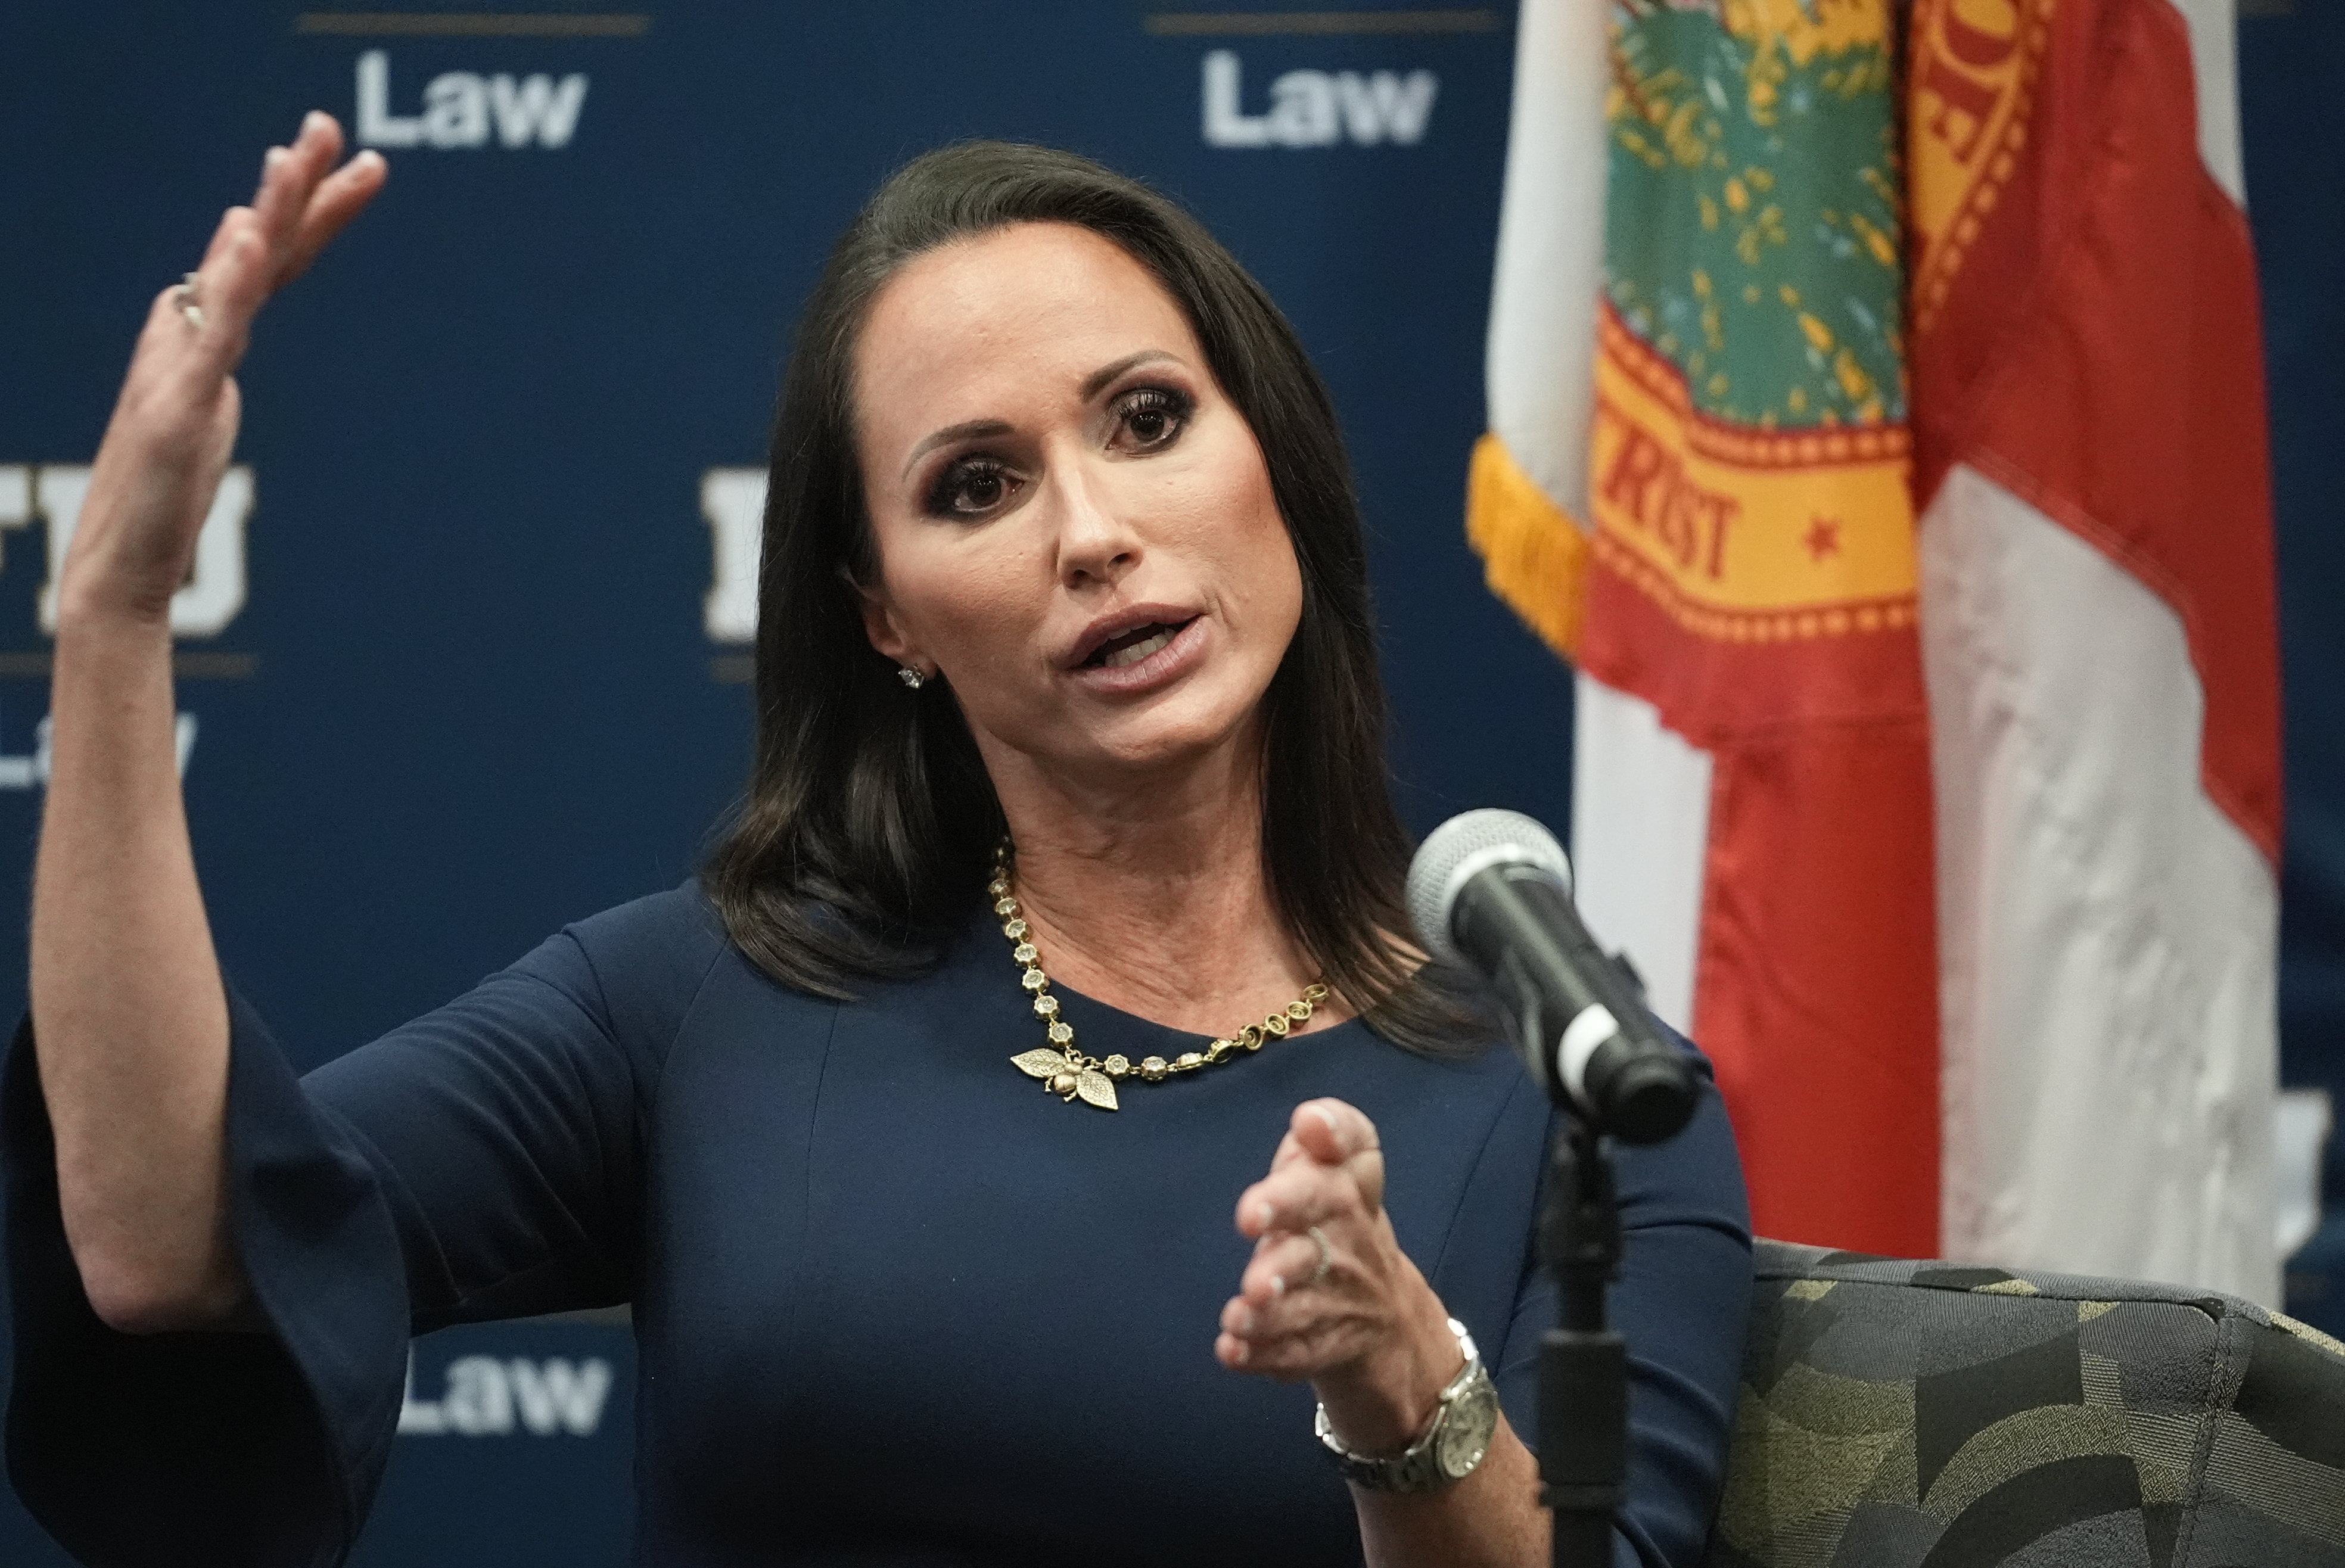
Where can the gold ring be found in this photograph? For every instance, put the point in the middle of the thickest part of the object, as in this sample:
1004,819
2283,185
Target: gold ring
1326,1254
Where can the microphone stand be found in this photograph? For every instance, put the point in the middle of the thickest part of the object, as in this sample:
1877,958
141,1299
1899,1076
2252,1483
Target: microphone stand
1583,1388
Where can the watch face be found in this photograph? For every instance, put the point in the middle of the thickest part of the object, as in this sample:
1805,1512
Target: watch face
1466,1435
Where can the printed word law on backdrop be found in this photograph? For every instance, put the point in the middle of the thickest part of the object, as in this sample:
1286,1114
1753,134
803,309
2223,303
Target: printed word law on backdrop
462,656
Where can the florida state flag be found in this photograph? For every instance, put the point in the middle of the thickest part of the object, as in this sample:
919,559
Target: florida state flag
1702,484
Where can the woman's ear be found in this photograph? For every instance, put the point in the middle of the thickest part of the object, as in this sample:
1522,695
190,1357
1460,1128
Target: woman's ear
880,625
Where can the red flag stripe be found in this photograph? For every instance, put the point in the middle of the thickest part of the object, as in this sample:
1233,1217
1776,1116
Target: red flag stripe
1816,992
2098,353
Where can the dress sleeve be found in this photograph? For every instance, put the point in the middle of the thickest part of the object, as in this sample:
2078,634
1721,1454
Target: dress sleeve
1682,1300
479,1162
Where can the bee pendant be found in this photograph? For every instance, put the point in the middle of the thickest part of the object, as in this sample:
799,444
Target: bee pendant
1064,1078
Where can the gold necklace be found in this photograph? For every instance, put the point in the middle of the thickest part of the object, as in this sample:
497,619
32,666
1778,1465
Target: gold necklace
1068,1072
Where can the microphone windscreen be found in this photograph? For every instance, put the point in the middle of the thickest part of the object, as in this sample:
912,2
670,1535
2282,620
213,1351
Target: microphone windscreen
1460,848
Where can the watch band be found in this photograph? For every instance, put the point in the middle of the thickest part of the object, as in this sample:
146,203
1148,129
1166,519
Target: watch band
1452,1444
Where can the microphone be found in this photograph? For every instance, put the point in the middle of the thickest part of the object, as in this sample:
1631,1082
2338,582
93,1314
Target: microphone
1492,889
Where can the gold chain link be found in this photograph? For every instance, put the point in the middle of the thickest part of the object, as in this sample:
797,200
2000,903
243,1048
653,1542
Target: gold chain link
1068,1072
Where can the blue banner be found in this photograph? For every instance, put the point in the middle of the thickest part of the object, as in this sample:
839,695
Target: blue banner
463,656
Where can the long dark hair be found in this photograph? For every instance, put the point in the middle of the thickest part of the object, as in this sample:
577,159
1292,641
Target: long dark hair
870,823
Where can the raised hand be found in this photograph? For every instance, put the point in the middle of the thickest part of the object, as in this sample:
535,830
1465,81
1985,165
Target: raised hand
130,1019
1329,1295
175,423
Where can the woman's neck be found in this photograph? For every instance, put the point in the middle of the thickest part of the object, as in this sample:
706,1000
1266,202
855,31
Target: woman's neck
1152,897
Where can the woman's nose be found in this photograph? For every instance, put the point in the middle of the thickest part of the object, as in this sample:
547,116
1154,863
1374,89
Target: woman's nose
1096,541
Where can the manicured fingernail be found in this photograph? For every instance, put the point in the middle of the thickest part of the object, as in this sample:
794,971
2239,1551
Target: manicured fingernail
315,120
1325,1118
1278,1284
1266,1214
273,156
1244,1322
1240,1355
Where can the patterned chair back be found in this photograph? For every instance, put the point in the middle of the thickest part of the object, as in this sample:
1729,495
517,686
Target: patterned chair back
1901,1414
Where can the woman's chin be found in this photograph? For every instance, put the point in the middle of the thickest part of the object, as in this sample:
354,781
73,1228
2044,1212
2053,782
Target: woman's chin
1180,730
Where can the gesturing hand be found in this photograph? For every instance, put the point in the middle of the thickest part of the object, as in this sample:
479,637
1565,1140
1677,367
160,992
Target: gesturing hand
175,423
1364,1328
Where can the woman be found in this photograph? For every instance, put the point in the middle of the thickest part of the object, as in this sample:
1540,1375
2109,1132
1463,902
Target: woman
1069,768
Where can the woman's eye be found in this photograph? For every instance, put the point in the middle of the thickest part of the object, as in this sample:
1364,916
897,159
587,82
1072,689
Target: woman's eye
972,487
1150,417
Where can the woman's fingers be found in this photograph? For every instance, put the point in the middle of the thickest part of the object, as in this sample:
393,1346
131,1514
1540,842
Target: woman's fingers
305,200
228,292
1330,1164
287,177
1329,1296
1322,1204
302,202
1311,1133
1283,1263
290,174
274,202
337,199
1341,1134
257,249
222,232
1290,1358
1304,1332
1332,1130
1292,1200
239,270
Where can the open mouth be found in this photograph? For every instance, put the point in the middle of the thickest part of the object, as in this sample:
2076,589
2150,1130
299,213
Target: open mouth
1134,646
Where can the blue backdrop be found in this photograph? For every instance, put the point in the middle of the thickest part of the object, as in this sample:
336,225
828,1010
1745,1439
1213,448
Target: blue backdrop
2291,59
471,691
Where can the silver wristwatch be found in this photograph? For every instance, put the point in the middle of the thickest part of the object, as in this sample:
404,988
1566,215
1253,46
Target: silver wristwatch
1449,1448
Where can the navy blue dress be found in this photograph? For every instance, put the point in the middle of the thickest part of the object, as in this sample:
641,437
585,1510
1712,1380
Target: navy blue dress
896,1303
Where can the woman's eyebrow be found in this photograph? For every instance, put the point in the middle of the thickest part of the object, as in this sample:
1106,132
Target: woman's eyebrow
1100,377
969,430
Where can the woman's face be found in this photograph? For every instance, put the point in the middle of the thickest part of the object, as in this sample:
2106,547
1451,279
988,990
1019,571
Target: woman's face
1074,523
